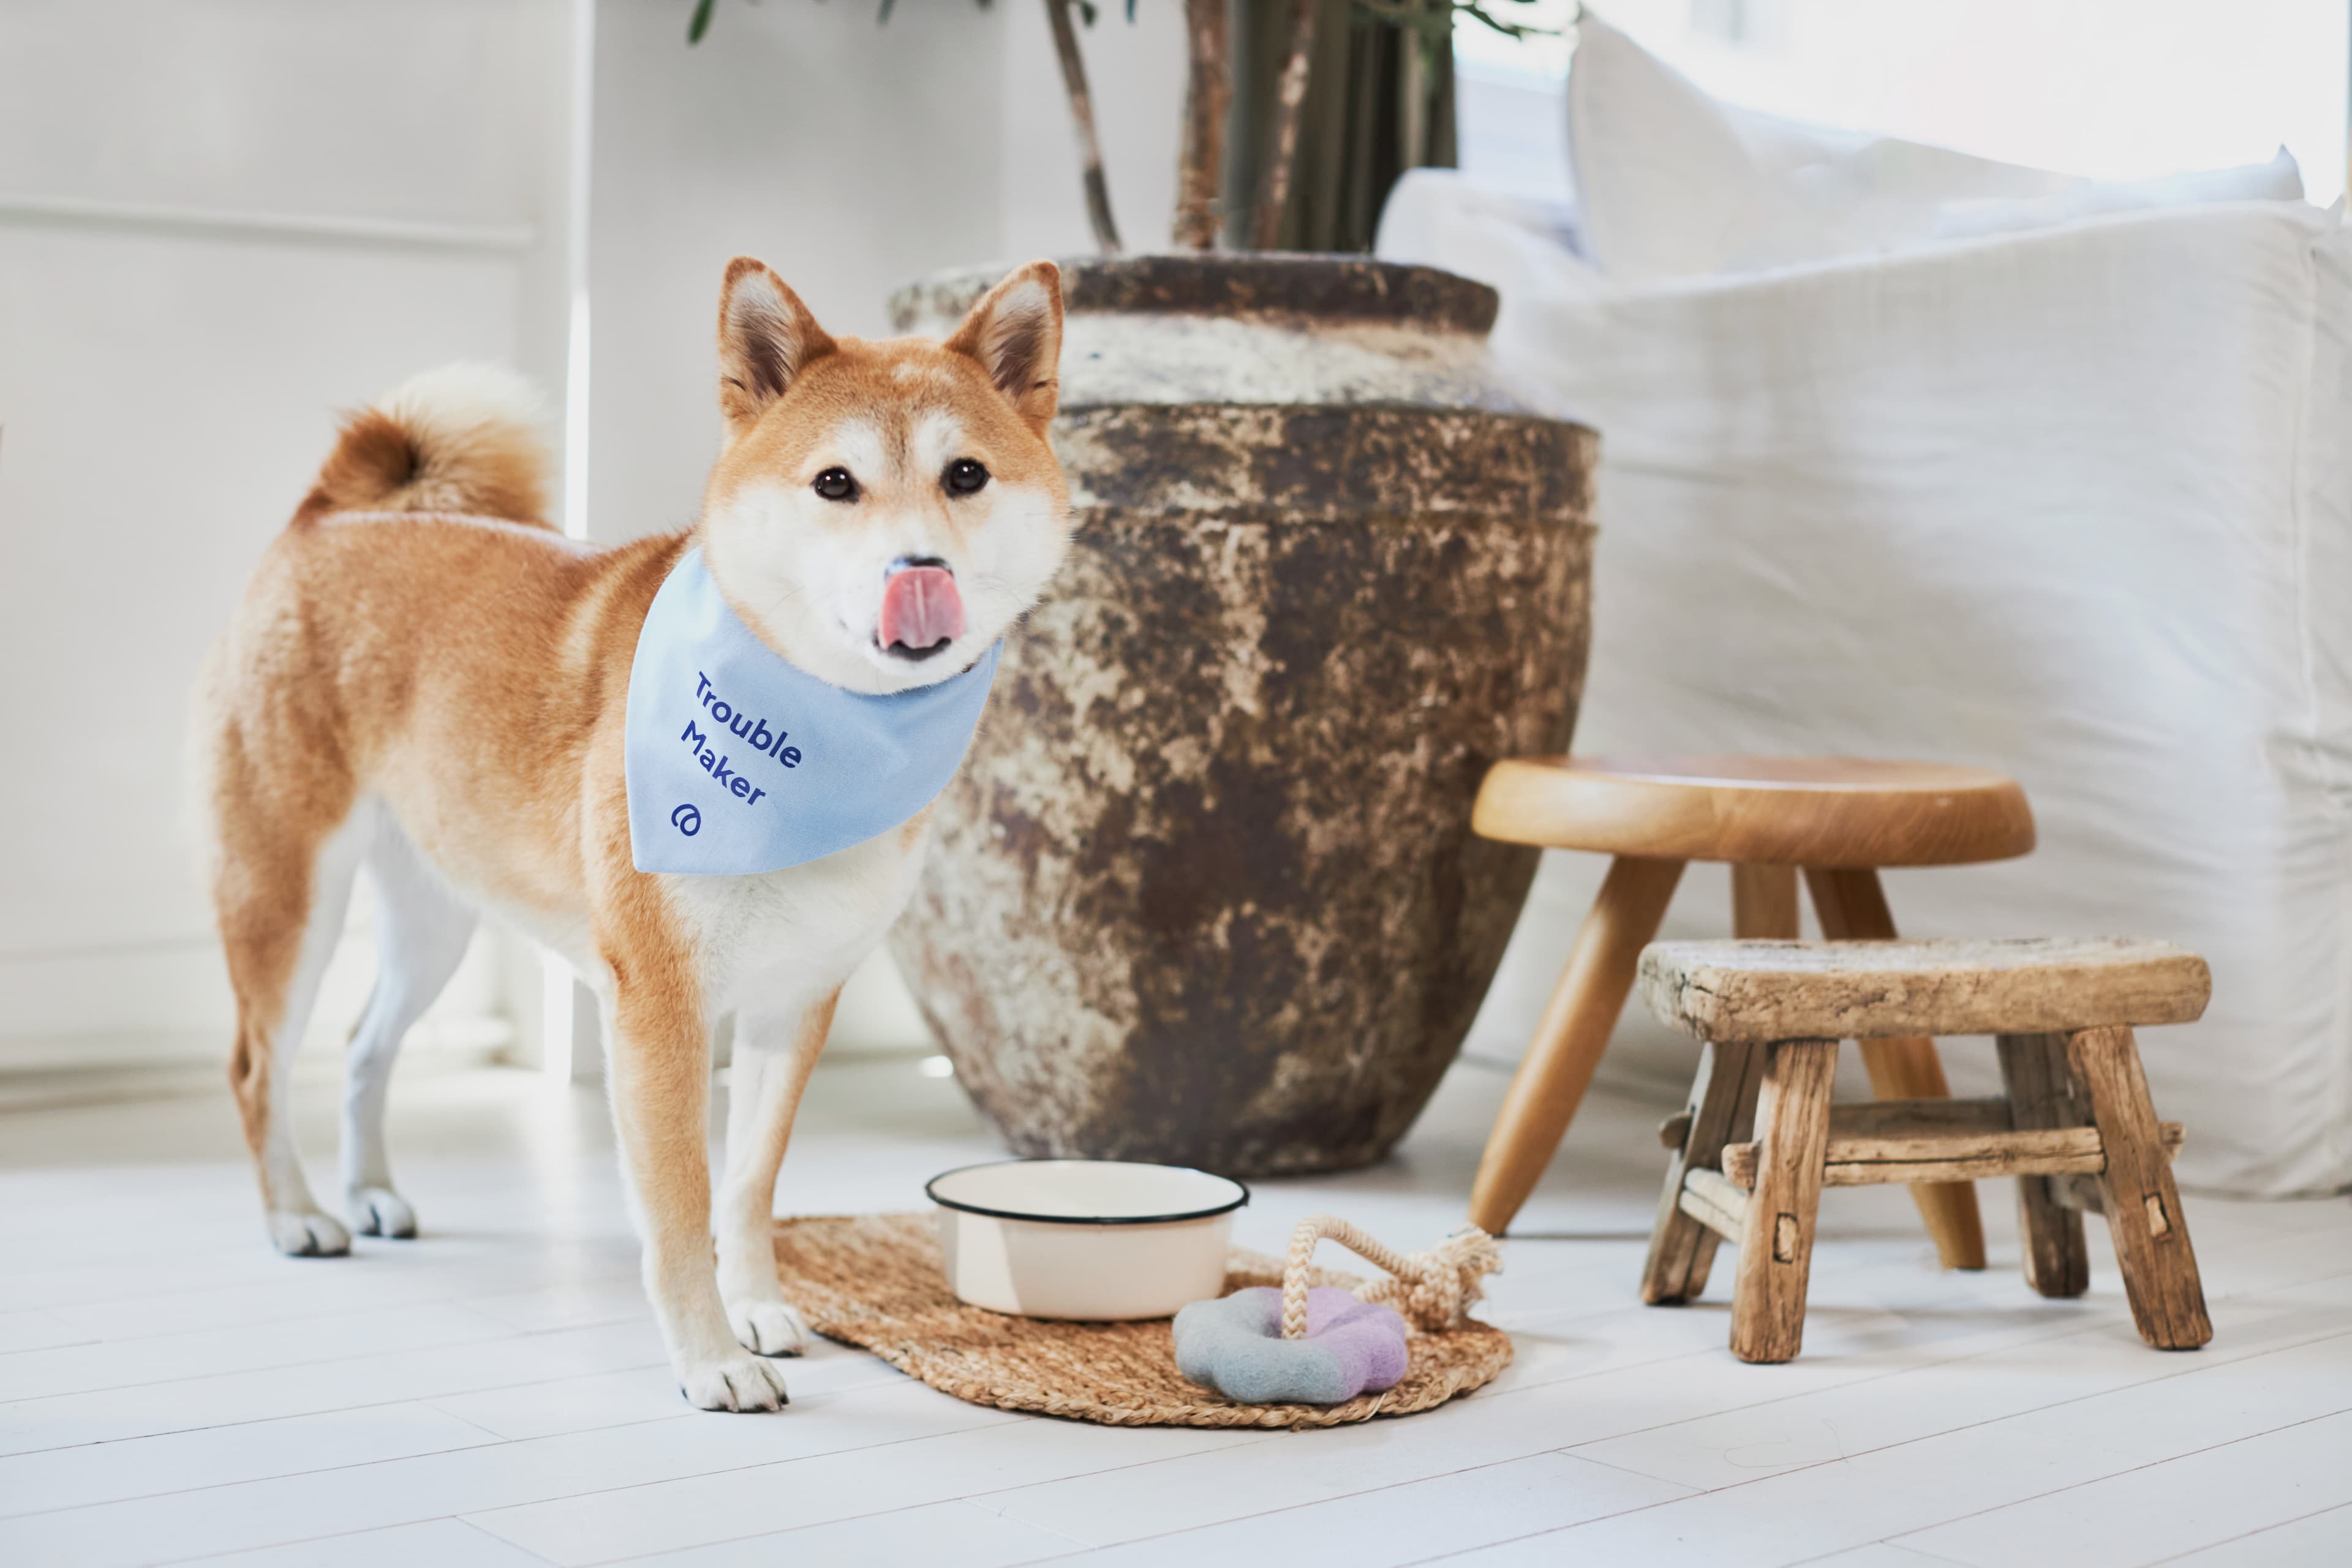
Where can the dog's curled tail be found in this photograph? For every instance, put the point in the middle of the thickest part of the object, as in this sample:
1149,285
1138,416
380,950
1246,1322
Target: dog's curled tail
462,439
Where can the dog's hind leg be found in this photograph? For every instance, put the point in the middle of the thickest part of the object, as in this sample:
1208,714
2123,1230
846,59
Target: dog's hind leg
281,902
422,930
774,1053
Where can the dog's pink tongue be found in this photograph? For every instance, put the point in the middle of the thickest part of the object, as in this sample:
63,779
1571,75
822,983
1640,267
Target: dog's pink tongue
920,607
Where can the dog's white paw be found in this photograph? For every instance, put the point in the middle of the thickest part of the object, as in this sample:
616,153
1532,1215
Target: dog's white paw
307,1234
768,1328
742,1383
380,1211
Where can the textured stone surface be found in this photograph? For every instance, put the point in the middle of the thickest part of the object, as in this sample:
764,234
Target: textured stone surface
1327,289
1245,330
1205,890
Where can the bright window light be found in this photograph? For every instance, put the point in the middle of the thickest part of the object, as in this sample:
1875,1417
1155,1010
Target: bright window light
2117,90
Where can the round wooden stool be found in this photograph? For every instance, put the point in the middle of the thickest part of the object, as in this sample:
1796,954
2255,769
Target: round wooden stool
1838,819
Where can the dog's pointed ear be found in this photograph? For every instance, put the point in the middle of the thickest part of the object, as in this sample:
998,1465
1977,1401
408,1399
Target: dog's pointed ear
1015,333
766,337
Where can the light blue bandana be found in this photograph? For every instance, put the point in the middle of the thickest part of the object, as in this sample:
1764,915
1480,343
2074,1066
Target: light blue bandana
739,762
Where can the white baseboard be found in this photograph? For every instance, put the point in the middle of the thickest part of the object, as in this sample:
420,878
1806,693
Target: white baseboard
167,1003
144,988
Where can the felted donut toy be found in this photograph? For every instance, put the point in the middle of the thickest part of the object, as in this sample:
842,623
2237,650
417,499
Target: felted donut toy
1322,1346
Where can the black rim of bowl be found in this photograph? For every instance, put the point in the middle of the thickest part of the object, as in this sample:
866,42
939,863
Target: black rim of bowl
929,1191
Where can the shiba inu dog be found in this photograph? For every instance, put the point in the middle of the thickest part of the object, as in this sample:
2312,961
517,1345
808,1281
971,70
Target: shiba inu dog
425,676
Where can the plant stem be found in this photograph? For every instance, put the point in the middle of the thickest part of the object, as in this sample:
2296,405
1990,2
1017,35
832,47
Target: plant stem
1290,96
1412,91
1207,94
1082,117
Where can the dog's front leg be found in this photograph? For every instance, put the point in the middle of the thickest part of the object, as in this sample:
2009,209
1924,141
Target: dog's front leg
774,1052
660,1066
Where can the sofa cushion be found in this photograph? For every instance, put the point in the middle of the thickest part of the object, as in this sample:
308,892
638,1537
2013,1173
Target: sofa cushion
1672,183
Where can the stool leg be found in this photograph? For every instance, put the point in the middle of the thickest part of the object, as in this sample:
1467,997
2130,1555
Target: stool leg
1764,909
1722,1107
1852,907
2034,1072
2143,1206
1776,1247
1583,1009
1764,903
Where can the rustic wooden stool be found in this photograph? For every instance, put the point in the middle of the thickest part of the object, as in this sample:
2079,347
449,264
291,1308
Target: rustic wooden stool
1837,818
2076,1128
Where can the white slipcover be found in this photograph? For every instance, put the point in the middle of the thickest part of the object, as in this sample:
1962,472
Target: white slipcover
1673,183
2074,503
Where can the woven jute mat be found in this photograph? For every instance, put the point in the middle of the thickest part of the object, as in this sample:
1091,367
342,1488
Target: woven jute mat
875,1281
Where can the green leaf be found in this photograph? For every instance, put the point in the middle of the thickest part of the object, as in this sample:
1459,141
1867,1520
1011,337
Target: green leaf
701,23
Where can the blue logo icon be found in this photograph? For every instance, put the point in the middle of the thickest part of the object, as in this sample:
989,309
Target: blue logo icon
687,820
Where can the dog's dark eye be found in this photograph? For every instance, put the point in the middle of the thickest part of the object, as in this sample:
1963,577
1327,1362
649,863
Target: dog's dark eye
834,484
964,476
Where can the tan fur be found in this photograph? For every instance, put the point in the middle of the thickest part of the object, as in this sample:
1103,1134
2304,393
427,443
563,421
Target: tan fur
462,680
463,439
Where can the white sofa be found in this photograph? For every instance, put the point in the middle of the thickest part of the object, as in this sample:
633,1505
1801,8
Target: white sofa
2073,502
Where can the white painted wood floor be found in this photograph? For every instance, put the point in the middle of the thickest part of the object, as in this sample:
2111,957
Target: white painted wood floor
494,1392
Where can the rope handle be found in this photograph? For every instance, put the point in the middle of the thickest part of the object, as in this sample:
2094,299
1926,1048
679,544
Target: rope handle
1432,1290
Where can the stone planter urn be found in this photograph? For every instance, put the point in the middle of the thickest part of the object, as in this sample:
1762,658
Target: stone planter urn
1206,891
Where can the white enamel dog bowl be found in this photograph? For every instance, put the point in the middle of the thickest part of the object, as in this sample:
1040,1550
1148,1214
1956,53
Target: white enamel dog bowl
1100,1240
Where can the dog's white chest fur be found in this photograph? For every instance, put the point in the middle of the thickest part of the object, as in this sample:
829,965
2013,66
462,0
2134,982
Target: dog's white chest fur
781,941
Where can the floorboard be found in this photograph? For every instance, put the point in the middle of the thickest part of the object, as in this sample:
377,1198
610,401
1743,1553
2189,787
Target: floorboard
494,1393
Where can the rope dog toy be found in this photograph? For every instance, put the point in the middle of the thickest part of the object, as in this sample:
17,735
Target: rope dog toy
1321,1345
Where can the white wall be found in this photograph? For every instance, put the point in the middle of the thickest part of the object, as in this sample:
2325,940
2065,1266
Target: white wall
845,154
1137,73
219,221
850,157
